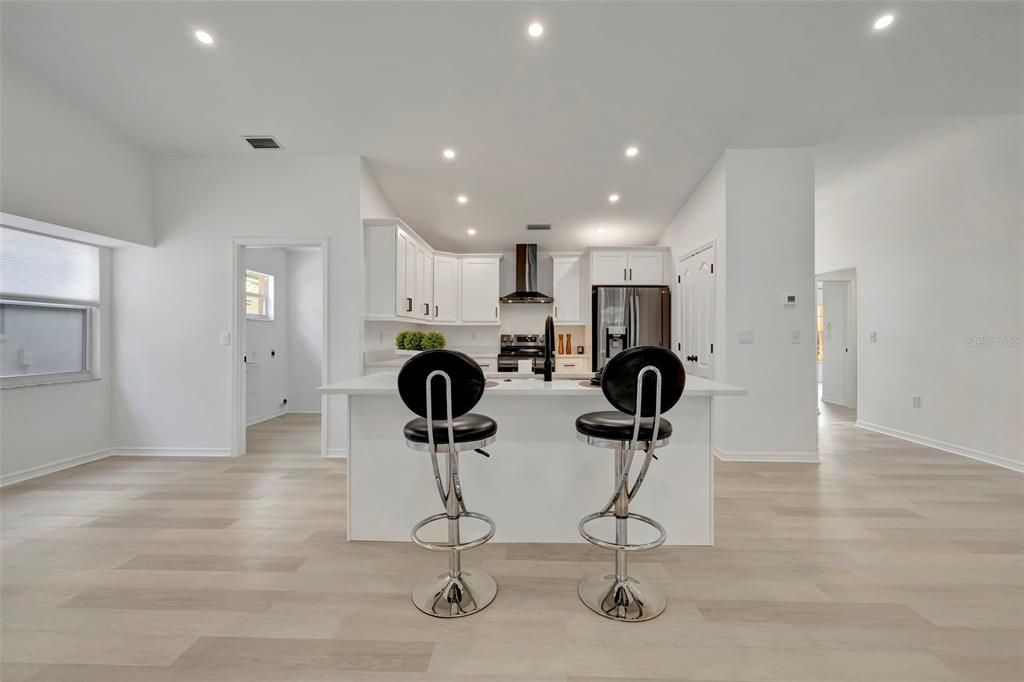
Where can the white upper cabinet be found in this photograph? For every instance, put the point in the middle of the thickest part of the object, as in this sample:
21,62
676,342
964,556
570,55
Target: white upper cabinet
609,267
627,266
480,281
646,267
568,288
446,288
424,295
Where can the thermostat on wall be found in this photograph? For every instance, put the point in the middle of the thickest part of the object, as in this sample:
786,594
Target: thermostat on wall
789,299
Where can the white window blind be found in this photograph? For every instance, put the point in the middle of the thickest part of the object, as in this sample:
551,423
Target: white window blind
35,266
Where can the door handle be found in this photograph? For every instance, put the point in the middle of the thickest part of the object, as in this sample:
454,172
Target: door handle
631,274
624,276
408,308
435,311
556,312
495,312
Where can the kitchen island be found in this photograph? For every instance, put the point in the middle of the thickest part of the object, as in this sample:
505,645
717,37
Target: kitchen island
540,480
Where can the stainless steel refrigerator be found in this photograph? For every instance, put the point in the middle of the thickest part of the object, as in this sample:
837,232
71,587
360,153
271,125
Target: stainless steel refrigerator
624,317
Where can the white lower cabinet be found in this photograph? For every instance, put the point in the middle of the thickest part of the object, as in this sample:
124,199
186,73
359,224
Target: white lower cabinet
572,365
479,287
488,365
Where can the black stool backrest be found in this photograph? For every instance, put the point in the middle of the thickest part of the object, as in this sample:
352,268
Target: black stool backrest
619,379
467,383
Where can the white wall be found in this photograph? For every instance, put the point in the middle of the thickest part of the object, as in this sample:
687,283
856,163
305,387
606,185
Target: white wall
174,384
266,342
44,428
305,329
758,207
64,166
930,215
372,201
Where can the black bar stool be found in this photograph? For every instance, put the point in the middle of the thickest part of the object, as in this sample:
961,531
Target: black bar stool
641,383
449,383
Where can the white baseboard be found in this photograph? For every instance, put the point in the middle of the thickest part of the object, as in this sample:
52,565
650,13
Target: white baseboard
281,413
52,467
970,453
265,417
337,453
802,457
840,403
170,452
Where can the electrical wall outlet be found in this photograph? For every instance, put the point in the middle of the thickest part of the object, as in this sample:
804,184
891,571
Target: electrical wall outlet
745,336
873,337
915,400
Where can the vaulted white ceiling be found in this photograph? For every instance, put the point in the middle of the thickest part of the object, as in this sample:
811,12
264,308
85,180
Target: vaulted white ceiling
539,125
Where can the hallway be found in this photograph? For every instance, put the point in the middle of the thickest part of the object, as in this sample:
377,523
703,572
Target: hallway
294,433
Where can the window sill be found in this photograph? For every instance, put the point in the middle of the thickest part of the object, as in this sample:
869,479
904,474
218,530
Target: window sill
46,380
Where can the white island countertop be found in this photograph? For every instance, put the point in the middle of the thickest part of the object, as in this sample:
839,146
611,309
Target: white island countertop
386,383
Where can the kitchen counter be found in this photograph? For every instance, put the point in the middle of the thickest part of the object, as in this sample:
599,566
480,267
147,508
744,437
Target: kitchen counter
511,384
540,480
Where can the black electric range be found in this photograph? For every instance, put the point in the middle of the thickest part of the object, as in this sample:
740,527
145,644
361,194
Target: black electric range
516,347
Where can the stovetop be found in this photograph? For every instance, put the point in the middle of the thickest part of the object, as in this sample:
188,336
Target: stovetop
522,345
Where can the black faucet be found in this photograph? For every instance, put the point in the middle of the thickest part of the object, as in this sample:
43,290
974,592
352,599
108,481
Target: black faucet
549,347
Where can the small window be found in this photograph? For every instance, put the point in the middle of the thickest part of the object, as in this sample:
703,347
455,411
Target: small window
259,296
49,300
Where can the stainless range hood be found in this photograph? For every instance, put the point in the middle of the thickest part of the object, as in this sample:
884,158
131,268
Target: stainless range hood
526,278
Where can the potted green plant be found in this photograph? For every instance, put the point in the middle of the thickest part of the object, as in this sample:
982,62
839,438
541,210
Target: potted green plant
433,341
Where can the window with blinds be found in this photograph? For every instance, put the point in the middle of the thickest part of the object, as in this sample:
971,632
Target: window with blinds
49,301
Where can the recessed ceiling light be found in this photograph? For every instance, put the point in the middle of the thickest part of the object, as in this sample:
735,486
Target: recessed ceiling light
600,230
535,30
204,37
471,231
613,198
883,22
448,154
631,152
462,199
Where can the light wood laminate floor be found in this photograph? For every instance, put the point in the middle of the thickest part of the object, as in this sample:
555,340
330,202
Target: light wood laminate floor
889,561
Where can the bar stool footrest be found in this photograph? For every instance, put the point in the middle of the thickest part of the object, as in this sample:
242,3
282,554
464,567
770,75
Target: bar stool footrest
448,547
607,544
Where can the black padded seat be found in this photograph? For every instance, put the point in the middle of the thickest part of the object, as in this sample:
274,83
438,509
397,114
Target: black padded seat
618,426
466,429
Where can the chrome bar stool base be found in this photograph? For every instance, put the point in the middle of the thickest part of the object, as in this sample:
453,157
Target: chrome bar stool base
447,597
632,599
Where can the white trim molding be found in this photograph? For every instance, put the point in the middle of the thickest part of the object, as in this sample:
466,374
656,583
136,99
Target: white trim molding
170,452
52,467
986,457
782,457
337,453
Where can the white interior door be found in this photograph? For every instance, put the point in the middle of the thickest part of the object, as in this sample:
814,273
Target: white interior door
835,387
696,312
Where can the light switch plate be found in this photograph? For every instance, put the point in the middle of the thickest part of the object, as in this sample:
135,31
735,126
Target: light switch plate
746,336
873,337
915,400
225,338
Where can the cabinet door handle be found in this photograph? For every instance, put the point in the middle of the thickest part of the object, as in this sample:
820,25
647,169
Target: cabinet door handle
495,312
426,309
435,311
408,308
624,275
556,312
631,274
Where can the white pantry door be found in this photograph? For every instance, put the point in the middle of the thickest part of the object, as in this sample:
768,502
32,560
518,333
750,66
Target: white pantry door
697,312
835,347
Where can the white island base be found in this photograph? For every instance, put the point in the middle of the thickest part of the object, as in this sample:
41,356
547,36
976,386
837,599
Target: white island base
540,480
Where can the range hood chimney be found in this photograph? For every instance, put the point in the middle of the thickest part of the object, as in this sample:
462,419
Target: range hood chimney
526,278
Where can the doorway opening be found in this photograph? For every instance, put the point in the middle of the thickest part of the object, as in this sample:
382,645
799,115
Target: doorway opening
279,318
836,305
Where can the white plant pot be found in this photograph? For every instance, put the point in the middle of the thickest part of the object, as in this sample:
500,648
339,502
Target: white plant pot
402,351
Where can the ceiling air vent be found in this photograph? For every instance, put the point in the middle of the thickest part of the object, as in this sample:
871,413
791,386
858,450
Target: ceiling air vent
263,142
539,226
